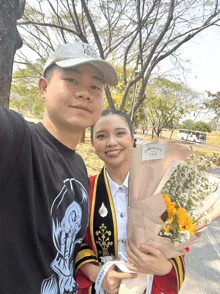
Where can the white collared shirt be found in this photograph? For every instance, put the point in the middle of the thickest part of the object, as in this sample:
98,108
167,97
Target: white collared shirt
120,200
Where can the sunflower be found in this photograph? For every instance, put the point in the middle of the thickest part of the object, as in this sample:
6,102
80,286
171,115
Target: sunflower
185,222
170,206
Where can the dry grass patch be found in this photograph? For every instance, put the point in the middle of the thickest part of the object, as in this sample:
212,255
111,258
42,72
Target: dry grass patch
213,138
168,133
206,151
93,163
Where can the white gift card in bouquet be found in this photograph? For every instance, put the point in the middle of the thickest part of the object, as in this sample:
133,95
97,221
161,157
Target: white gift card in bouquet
169,186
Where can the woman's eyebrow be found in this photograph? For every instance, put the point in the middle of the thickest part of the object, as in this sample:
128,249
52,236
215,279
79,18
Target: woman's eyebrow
100,131
116,129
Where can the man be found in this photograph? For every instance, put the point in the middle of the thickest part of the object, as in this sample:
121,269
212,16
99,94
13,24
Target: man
43,181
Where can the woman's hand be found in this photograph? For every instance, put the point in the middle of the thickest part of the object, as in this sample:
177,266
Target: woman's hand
112,279
147,259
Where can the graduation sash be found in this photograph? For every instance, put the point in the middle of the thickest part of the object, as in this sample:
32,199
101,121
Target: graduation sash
103,225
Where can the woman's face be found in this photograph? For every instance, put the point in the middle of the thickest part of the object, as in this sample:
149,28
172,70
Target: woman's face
112,139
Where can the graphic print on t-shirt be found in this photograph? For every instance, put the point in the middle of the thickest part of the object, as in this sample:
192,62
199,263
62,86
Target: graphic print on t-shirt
66,213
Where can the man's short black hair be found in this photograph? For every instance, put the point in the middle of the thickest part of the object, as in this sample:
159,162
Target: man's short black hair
49,71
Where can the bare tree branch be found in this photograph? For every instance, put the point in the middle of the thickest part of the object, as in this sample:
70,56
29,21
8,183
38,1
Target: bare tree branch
136,34
49,25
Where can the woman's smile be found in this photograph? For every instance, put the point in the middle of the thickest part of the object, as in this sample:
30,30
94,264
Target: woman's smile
112,139
113,153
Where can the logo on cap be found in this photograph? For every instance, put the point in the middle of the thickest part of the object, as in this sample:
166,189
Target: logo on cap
89,51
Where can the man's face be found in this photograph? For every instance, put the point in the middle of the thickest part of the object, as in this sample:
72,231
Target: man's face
74,97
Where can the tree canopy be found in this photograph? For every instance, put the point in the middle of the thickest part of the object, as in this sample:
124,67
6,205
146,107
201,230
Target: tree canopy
201,126
213,103
25,93
133,34
195,126
167,102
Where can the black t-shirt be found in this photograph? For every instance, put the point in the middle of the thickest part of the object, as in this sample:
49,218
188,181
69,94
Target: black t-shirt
43,209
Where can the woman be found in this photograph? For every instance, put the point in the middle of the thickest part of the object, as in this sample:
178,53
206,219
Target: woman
112,136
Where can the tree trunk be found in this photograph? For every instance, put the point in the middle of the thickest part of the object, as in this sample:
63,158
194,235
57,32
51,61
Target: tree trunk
152,135
157,131
171,134
109,97
10,41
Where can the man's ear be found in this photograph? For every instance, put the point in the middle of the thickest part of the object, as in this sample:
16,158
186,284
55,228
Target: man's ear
42,84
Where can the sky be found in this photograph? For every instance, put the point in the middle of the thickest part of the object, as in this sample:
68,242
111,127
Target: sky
203,66
203,61
203,54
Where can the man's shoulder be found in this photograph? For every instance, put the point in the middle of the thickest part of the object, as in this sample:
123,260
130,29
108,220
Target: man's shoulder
16,132
12,124
10,116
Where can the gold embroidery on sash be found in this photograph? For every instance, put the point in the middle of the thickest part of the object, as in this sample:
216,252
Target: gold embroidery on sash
103,240
113,214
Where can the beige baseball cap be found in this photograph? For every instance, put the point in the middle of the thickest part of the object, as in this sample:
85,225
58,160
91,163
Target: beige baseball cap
73,54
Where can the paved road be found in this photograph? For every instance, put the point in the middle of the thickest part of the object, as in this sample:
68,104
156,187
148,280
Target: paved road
216,173
203,259
203,263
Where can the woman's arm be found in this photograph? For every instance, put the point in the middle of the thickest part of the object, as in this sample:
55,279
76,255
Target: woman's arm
147,259
168,278
91,271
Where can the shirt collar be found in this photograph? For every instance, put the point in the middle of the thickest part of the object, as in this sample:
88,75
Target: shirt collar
114,186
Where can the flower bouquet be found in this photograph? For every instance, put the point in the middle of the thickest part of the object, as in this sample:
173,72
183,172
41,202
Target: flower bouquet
187,195
172,197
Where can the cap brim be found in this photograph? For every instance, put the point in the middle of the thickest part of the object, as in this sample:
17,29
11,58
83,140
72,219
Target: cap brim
109,73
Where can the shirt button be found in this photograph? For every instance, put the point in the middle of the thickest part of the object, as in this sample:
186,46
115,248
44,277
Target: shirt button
123,241
122,214
121,189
